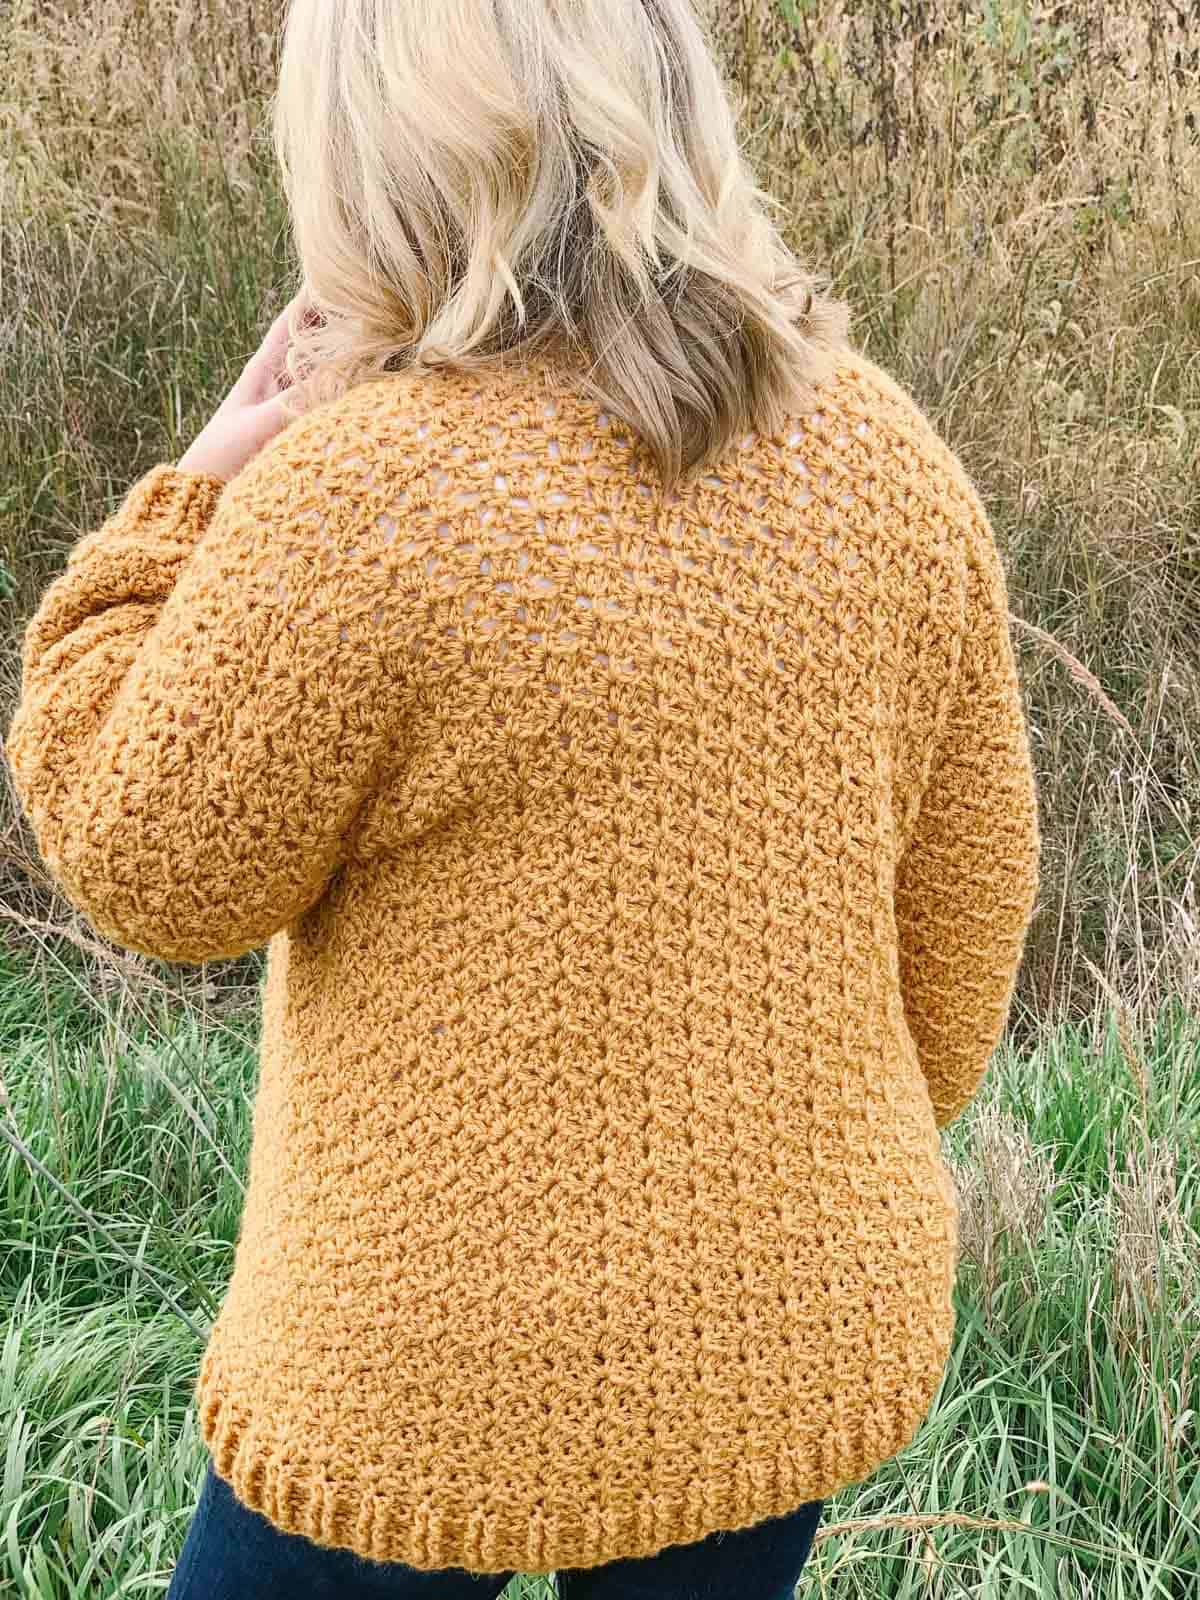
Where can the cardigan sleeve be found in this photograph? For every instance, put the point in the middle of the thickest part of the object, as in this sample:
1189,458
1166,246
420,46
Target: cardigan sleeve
204,710
967,882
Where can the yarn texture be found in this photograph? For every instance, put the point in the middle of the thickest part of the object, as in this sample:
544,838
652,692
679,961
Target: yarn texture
645,879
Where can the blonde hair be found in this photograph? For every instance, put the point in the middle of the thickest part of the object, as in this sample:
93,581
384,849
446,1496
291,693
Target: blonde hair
560,178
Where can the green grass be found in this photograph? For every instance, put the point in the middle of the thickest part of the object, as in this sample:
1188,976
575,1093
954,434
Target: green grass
1073,1369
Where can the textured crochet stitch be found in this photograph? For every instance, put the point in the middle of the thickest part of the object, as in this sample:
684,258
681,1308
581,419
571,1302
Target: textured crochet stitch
645,878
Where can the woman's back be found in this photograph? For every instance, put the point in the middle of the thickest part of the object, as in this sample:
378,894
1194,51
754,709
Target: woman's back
646,876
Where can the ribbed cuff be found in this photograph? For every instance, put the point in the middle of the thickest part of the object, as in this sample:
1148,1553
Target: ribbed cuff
166,502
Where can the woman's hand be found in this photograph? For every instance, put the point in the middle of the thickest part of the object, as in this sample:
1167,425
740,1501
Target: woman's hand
252,412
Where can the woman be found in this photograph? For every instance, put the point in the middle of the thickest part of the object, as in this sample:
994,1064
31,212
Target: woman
592,677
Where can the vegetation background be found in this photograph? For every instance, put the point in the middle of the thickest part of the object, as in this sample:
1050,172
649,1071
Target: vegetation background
1006,193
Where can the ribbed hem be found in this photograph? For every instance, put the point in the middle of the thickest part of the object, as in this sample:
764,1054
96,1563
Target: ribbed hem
390,1521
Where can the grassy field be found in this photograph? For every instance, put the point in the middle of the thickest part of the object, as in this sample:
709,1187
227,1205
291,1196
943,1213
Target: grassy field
1059,1459
1006,193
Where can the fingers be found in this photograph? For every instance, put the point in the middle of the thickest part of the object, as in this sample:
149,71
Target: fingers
304,315
265,373
269,357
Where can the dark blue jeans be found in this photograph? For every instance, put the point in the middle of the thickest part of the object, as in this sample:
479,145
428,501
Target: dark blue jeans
234,1553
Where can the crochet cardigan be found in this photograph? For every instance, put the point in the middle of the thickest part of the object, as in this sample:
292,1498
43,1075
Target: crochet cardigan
645,878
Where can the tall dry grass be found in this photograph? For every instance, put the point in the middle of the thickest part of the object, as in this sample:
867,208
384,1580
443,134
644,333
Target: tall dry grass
1008,194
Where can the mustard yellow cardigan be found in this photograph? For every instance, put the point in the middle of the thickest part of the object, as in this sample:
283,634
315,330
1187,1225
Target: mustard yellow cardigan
646,879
